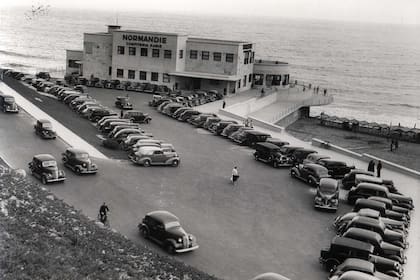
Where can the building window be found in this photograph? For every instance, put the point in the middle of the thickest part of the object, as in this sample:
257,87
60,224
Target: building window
166,78
167,54
205,55
245,80
155,53
249,78
131,51
120,49
143,75
239,83
276,80
181,54
110,70
229,57
247,57
193,54
155,76
72,63
143,52
252,57
120,73
258,79
217,56
131,74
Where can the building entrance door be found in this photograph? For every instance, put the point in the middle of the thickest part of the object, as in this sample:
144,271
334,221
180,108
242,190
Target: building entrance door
196,83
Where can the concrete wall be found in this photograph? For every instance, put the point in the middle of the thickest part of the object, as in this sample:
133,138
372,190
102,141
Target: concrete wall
294,116
251,105
97,52
181,45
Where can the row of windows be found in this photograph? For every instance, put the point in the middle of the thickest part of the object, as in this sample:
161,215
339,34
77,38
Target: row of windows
154,76
145,52
217,56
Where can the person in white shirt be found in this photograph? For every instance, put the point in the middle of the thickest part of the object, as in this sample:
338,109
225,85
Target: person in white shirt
235,175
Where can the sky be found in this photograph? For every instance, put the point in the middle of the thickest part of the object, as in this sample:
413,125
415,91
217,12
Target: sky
384,11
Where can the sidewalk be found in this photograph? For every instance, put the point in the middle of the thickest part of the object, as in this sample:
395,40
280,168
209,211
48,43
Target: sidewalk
64,133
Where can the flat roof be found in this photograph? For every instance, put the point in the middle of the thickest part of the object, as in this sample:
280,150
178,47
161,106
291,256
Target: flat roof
209,76
151,32
98,33
216,41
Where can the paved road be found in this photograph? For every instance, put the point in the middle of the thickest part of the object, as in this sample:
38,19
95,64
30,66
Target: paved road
266,223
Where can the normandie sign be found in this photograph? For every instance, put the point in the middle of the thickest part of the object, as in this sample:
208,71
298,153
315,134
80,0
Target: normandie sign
144,38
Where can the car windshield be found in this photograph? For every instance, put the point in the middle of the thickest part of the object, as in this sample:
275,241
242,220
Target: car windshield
172,224
327,188
9,99
322,172
82,156
49,163
47,125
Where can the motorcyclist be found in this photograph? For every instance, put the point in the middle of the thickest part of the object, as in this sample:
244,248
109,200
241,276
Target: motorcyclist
103,213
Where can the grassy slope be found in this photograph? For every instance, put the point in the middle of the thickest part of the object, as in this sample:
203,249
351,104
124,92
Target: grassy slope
41,237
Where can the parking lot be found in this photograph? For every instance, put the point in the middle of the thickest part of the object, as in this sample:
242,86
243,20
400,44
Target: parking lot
265,223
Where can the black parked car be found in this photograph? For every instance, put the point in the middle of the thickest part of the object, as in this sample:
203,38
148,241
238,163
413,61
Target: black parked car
44,129
357,269
310,173
251,137
164,228
341,248
99,113
277,142
43,75
122,103
230,129
366,203
201,119
270,154
188,114
78,161
336,168
137,117
44,167
220,126
349,180
289,150
8,104
300,154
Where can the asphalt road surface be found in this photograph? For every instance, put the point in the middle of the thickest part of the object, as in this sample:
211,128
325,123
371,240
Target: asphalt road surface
265,223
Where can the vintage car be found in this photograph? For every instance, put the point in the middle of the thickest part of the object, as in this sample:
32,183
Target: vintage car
199,120
390,205
125,126
164,228
341,248
137,117
79,101
44,167
131,140
162,105
362,178
179,111
381,208
326,196
44,129
123,85
8,104
276,141
314,157
146,142
99,113
147,156
122,134
161,89
391,236
348,180
365,190
239,132
289,150
155,99
210,121
122,103
78,161
69,98
270,276
43,75
171,108
337,169
111,84
110,126
310,173
132,86
341,221
89,109
81,88
357,269
218,127
300,155
149,88
270,154
252,137
381,248
188,114
230,129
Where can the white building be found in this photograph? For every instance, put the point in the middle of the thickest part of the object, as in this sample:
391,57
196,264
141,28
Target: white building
174,60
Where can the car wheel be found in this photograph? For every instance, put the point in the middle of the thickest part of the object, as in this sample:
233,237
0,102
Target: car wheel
144,232
146,163
311,182
256,156
78,170
175,163
170,249
393,273
293,173
44,180
275,164
331,264
147,121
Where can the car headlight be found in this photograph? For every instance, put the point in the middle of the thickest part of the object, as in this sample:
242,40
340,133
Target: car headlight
61,173
84,164
318,198
180,240
190,237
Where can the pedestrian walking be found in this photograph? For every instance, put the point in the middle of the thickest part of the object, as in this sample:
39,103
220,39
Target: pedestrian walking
235,175
223,104
379,168
371,166
325,91
121,114
392,145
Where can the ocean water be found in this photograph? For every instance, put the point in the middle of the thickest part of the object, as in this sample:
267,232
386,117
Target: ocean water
373,70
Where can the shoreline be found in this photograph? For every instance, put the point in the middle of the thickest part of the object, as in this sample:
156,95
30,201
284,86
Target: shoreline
407,155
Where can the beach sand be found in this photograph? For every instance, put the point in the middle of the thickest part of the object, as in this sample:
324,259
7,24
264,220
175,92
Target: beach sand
408,154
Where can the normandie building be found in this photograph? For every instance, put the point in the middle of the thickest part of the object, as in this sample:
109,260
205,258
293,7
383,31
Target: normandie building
175,60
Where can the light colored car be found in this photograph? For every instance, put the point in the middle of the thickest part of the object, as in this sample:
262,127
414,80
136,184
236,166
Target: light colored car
270,276
150,155
136,146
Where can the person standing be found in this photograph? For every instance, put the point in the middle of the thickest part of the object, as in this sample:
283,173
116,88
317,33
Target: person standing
223,104
371,166
121,114
235,175
379,168
103,211
392,145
